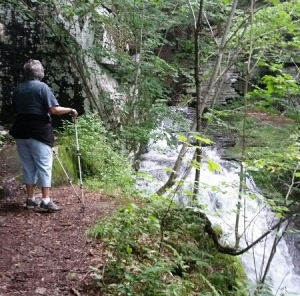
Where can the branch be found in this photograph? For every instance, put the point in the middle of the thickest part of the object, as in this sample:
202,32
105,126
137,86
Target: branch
230,250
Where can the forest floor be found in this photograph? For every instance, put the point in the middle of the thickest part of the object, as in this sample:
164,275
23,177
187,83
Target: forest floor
273,120
47,253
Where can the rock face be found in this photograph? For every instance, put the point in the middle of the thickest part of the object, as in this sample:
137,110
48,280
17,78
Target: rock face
82,86
23,39
225,91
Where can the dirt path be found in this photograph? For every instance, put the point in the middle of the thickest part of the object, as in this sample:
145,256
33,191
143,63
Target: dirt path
47,254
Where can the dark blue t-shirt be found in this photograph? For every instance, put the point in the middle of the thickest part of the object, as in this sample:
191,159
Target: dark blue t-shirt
33,97
31,102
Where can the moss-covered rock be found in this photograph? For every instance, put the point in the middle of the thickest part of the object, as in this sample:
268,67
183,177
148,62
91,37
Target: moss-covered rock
228,275
68,162
233,153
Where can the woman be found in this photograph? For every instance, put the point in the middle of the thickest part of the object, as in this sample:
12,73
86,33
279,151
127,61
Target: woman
33,102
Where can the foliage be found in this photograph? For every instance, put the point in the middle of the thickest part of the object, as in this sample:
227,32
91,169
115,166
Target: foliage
155,251
271,152
109,168
279,91
230,272
66,156
273,44
275,33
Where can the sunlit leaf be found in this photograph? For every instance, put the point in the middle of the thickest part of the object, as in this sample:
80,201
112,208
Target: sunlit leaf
182,138
189,193
213,166
169,170
201,139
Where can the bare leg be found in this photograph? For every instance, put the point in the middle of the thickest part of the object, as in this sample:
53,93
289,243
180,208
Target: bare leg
45,192
29,190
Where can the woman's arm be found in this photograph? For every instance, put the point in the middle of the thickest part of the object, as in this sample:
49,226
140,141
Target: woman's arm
58,110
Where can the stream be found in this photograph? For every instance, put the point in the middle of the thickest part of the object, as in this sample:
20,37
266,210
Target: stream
219,196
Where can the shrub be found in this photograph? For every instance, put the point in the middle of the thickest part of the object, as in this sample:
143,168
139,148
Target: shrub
102,166
66,157
160,248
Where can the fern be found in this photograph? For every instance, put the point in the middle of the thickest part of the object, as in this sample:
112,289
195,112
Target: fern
207,282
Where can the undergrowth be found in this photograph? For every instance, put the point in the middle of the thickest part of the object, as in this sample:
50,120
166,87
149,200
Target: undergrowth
102,166
160,248
271,149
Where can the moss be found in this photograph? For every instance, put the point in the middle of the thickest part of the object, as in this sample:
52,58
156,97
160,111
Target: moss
68,162
228,275
233,152
218,229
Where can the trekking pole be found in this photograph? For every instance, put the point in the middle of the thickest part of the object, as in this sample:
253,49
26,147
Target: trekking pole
64,170
79,163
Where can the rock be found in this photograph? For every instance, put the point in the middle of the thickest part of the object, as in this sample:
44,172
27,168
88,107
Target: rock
72,276
41,291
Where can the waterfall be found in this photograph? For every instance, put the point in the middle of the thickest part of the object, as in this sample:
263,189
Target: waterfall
219,194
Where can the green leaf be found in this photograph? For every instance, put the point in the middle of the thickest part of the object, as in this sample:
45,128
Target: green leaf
213,166
169,170
189,193
182,138
204,140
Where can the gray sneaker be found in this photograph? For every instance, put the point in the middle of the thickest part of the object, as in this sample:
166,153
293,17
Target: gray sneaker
50,206
32,203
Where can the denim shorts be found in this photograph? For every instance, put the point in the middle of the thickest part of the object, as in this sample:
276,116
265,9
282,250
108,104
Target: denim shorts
36,160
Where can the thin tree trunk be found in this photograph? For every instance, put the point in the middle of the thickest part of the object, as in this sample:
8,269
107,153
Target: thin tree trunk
242,169
198,98
271,256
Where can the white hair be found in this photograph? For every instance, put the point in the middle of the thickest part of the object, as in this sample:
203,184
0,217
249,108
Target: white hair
33,70
1,29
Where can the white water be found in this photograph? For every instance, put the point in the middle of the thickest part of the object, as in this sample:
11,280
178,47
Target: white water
219,193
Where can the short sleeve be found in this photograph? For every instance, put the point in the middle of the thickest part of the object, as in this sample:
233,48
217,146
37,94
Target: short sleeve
48,97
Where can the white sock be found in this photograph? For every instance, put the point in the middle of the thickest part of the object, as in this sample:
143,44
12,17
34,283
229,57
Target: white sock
46,200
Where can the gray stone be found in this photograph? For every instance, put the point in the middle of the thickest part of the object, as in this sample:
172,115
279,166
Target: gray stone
72,276
41,291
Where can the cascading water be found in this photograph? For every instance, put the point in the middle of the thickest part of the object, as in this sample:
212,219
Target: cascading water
219,192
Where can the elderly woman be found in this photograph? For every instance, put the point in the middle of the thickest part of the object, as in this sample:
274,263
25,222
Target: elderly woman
33,102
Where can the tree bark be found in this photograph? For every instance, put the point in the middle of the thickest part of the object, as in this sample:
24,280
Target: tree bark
198,98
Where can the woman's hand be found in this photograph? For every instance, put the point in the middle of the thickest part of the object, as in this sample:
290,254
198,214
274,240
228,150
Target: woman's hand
73,113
